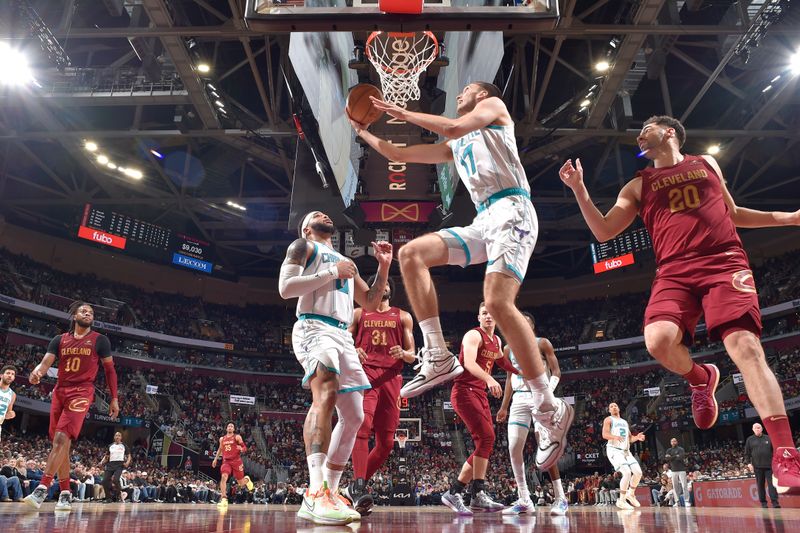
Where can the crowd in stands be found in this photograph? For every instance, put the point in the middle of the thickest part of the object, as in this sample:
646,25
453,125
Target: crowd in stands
261,328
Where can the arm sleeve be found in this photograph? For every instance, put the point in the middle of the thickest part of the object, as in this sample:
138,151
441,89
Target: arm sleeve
103,347
292,283
506,365
54,344
111,376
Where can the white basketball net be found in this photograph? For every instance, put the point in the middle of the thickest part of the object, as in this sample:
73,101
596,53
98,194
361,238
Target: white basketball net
401,440
400,59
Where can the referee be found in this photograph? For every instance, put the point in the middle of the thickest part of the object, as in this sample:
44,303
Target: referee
758,450
117,458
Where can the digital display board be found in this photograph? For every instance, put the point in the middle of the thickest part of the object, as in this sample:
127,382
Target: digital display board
619,251
144,239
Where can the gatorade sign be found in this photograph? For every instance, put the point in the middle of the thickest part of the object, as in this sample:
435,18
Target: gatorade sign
612,263
101,237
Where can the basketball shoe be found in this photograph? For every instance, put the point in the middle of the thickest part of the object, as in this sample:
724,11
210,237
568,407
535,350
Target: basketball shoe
786,471
322,509
553,427
519,507
456,503
630,497
64,501
37,497
436,366
483,503
704,404
623,504
559,507
248,483
354,515
359,497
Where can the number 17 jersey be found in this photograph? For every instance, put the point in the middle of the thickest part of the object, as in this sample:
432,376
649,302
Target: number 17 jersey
377,332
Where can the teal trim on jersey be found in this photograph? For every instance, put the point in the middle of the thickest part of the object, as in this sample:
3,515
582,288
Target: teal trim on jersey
519,424
313,256
494,127
322,318
515,272
499,195
462,243
354,389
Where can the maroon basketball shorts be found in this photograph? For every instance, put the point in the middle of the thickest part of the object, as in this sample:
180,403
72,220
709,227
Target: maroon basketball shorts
472,405
233,467
382,401
68,408
719,286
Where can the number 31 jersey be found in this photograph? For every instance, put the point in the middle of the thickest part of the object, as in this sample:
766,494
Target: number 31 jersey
377,332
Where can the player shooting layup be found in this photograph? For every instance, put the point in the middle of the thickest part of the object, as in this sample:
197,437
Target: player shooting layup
481,142
519,418
326,283
702,269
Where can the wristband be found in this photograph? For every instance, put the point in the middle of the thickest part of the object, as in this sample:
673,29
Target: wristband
553,383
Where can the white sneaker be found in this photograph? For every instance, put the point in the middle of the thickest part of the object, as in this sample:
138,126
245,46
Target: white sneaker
559,507
520,506
37,497
552,438
631,499
437,366
622,504
483,503
456,503
64,501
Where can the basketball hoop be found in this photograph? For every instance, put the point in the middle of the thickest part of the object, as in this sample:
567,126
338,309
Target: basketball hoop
400,58
401,440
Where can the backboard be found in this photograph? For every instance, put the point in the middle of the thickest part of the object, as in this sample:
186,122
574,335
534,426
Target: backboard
277,16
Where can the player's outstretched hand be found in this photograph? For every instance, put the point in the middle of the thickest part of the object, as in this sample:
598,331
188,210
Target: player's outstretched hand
572,176
35,377
346,269
383,252
795,218
357,126
394,110
113,408
502,415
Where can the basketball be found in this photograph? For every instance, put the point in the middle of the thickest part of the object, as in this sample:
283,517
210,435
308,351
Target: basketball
359,106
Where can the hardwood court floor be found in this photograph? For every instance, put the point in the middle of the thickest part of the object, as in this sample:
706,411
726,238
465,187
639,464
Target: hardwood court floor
152,518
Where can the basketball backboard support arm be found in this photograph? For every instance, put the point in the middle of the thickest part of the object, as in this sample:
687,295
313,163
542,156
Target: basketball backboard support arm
271,16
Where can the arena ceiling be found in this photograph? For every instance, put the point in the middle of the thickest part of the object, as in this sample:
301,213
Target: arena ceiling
132,86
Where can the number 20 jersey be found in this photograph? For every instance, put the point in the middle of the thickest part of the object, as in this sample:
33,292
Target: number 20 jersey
377,332
684,210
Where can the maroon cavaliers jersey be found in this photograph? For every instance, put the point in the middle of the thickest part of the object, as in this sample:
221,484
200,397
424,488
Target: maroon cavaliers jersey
684,210
377,332
489,353
78,359
230,448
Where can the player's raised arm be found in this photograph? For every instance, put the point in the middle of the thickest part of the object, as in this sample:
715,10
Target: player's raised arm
745,217
619,217
417,153
370,297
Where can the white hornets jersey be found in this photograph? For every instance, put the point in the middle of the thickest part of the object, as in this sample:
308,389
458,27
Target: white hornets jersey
619,428
518,383
334,300
488,162
5,401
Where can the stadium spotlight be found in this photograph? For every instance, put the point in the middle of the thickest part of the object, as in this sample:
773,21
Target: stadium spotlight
90,146
794,63
103,160
204,68
586,103
602,66
112,166
133,173
14,68
219,103
713,149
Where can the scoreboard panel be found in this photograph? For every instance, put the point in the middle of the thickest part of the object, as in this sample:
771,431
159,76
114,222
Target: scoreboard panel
619,251
144,239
